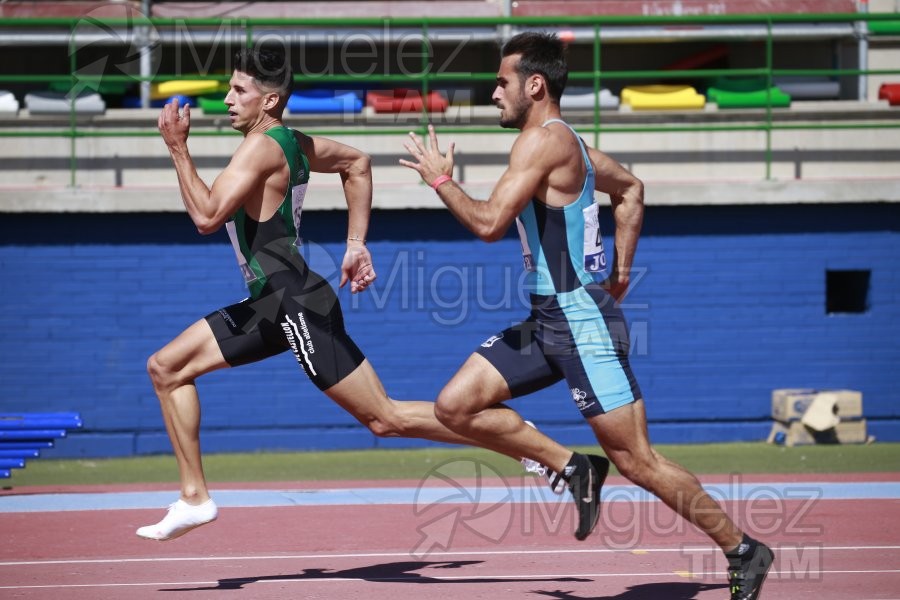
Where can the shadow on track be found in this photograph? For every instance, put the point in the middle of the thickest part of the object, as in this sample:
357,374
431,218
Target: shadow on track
392,572
678,590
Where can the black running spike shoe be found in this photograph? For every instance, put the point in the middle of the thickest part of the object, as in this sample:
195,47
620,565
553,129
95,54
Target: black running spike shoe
585,484
746,575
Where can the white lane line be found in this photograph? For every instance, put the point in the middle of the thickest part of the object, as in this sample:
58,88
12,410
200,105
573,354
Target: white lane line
685,550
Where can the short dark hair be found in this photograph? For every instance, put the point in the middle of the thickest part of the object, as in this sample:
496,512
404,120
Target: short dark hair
268,66
541,54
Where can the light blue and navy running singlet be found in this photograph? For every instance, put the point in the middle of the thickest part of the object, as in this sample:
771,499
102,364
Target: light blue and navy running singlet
561,247
575,331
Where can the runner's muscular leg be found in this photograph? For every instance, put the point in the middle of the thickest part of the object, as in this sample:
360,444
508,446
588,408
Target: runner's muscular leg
173,370
470,406
623,434
362,395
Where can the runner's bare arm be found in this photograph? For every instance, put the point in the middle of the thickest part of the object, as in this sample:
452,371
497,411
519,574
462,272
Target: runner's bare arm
210,207
355,169
626,192
490,219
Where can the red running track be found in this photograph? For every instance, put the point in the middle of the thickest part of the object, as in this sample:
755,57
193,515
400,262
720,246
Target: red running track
825,549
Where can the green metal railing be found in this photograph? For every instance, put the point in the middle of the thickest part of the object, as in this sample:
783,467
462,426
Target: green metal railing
427,78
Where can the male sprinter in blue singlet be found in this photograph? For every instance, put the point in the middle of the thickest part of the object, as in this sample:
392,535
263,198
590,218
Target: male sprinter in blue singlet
259,197
576,330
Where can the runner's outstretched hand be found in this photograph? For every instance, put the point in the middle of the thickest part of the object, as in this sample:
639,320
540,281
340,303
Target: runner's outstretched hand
430,164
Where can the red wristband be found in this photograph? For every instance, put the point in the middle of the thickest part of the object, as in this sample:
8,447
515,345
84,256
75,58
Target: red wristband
439,180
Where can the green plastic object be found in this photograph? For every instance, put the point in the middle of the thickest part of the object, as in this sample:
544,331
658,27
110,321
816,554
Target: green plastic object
213,105
755,99
105,88
740,84
884,27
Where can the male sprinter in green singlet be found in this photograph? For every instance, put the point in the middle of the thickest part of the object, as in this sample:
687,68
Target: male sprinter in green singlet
576,330
258,197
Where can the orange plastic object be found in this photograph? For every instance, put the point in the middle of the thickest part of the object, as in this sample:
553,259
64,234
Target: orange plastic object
405,100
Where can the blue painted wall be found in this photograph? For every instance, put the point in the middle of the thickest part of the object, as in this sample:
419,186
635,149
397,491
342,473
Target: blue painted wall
728,305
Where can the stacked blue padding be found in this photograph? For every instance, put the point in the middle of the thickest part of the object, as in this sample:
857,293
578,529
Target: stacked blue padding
24,435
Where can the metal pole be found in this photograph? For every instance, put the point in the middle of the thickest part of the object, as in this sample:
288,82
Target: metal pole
769,100
505,30
145,66
425,48
862,31
597,86
73,97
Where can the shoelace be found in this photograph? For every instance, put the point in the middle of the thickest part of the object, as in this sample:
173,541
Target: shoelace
736,578
533,466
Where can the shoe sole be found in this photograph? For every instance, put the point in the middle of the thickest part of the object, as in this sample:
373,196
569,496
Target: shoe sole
766,574
601,466
756,593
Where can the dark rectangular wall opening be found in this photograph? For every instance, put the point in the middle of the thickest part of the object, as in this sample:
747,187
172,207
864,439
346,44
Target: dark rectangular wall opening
847,291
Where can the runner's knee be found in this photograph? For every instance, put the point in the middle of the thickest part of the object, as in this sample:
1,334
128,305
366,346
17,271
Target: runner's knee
156,370
393,423
449,412
162,374
385,428
381,428
636,468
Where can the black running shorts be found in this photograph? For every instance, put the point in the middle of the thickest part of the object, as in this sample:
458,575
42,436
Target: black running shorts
580,336
297,313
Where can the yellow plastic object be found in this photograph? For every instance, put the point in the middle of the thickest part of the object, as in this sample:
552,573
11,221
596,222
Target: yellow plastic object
186,87
662,97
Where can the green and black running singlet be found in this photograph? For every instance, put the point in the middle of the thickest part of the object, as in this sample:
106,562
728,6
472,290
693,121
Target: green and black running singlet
253,240
290,306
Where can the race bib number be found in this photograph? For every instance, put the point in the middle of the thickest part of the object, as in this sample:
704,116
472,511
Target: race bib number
298,193
246,271
527,256
594,255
